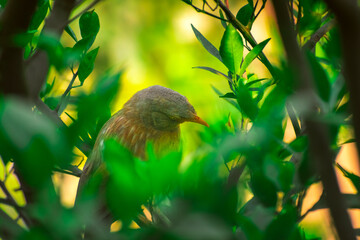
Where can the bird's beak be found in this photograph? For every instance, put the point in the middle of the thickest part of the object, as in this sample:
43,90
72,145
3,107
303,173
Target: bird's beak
197,119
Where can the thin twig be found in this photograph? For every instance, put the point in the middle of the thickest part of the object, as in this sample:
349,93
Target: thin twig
319,146
69,87
310,44
71,170
207,13
91,5
293,119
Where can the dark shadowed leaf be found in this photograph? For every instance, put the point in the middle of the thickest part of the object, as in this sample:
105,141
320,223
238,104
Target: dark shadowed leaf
207,45
321,79
71,33
244,14
245,101
89,24
223,23
229,95
250,230
32,140
39,15
214,71
355,179
84,44
231,49
87,65
264,189
284,225
232,102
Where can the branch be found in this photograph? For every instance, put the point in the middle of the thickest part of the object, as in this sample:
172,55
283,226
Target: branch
248,37
14,20
71,170
310,44
347,14
91,5
318,134
38,66
69,87
207,13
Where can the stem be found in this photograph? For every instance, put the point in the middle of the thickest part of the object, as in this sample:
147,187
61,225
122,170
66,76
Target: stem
69,87
83,11
248,37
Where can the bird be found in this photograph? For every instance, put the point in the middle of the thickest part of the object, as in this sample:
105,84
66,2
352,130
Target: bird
154,115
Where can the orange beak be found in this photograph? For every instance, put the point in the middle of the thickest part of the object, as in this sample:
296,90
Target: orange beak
197,119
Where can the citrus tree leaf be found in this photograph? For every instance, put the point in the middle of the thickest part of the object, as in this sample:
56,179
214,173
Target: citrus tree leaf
231,49
206,44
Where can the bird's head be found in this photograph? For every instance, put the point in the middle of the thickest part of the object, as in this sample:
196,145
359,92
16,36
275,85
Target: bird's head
163,108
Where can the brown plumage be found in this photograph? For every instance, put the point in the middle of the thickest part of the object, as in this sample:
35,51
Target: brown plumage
151,115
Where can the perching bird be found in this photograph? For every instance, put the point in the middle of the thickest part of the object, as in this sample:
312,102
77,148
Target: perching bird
151,115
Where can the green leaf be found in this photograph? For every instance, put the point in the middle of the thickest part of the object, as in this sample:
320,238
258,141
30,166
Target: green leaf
47,89
264,189
254,53
321,79
355,179
255,81
84,44
32,141
89,24
71,33
229,95
87,65
244,14
245,101
55,51
227,99
223,23
214,71
250,230
286,176
206,44
39,15
283,225
231,49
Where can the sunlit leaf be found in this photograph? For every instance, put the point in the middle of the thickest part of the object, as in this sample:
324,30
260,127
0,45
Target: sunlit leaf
231,49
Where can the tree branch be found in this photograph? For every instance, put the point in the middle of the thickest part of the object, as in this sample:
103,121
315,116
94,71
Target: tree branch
91,5
14,20
310,44
318,134
347,13
38,66
248,37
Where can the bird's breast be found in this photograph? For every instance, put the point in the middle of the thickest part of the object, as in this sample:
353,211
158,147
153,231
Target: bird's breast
135,136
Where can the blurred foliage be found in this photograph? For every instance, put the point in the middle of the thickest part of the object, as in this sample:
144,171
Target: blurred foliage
201,193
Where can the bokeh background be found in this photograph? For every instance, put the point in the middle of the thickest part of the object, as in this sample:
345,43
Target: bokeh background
152,41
